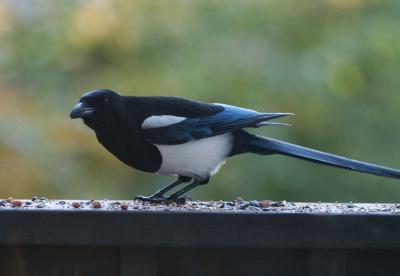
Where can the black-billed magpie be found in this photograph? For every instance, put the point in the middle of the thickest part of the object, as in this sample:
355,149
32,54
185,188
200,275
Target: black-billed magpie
189,139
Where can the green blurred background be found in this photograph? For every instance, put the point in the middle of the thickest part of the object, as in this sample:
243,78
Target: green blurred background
335,63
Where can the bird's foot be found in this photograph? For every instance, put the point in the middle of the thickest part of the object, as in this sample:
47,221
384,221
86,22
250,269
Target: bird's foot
180,200
152,199
162,199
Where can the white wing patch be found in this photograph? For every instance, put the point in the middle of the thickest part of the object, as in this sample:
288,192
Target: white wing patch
161,121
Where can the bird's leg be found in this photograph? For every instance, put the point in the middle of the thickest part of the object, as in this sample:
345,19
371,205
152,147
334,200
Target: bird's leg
158,196
176,196
162,191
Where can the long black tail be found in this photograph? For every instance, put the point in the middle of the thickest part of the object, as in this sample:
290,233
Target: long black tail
264,145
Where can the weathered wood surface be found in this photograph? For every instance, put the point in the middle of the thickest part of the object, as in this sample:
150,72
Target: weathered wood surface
198,238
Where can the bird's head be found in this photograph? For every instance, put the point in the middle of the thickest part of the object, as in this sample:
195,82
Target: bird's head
94,105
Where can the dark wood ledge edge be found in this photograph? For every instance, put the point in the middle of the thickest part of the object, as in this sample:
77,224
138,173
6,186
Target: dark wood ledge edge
199,229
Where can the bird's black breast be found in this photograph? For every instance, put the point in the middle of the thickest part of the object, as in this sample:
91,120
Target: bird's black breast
119,132
136,153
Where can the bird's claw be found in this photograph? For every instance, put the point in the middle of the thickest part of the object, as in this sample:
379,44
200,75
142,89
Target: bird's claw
151,199
181,200
162,199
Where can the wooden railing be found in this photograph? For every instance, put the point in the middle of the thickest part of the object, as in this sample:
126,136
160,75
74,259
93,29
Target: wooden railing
198,238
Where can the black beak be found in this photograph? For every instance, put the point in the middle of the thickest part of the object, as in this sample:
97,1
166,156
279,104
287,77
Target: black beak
81,110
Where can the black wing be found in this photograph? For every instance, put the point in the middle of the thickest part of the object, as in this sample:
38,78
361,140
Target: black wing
231,118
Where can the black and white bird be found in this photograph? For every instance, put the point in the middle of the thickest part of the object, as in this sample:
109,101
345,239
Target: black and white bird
189,139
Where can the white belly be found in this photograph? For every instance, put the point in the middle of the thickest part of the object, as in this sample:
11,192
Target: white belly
198,159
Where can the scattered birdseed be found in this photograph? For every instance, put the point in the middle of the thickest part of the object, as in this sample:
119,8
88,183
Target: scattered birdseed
254,203
239,199
16,203
124,206
76,204
265,203
264,206
96,204
278,203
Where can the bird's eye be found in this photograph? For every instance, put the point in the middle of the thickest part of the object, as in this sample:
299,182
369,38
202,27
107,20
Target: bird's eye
105,100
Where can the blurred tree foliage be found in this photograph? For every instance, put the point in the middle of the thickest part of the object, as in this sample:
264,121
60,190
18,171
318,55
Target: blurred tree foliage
335,63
